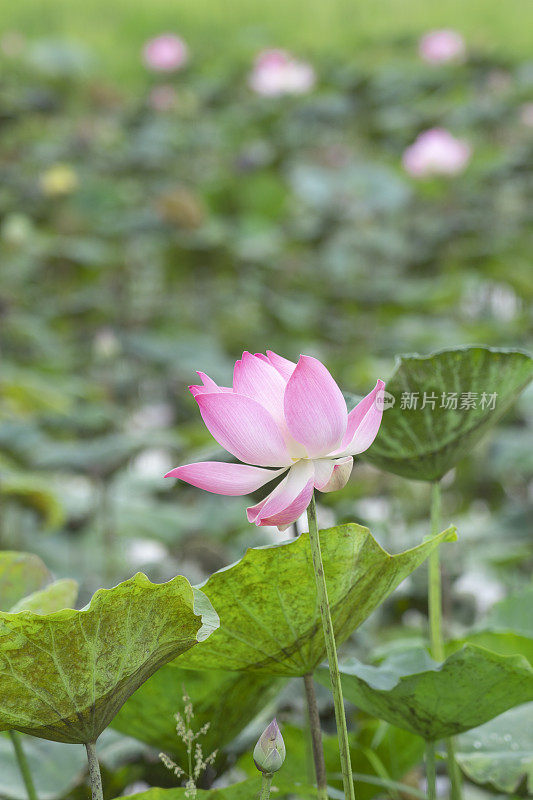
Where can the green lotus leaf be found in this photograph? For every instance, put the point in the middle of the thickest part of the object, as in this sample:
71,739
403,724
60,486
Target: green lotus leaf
23,579
500,752
505,643
269,618
246,790
507,629
31,491
424,443
65,675
57,595
434,700
21,574
227,700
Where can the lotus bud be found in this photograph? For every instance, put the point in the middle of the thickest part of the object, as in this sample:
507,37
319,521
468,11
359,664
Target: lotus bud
269,752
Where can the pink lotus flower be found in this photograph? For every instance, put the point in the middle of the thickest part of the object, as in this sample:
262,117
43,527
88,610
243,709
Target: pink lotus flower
436,152
290,417
165,53
276,73
438,47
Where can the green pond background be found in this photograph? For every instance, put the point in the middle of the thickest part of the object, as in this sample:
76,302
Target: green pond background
137,246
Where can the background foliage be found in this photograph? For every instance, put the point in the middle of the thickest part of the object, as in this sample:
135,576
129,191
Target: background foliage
138,245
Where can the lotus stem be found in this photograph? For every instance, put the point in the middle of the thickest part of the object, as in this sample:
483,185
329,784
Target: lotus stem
95,778
454,773
23,765
435,627
430,771
331,650
265,786
434,585
316,738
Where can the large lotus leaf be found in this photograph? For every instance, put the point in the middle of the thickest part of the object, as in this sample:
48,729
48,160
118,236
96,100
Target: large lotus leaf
246,790
506,643
424,443
65,675
434,700
500,752
507,629
57,595
21,574
269,618
227,700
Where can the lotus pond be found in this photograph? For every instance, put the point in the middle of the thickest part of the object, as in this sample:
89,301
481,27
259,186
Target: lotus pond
329,595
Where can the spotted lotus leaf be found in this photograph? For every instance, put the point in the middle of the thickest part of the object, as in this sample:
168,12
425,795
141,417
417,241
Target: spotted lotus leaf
435,700
269,617
65,675
501,752
443,404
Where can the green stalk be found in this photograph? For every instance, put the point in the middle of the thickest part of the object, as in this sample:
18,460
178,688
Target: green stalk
435,627
23,765
430,771
95,779
454,773
434,584
316,738
331,650
265,786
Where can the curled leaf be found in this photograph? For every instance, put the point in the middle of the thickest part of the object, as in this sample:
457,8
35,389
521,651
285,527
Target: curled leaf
434,700
21,574
269,619
65,675
444,403
57,595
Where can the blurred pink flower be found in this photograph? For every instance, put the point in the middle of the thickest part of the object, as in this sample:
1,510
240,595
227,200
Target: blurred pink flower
276,73
289,416
163,98
438,47
436,152
526,114
165,53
